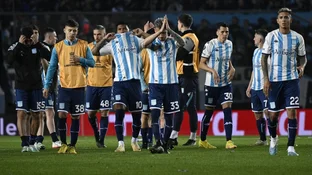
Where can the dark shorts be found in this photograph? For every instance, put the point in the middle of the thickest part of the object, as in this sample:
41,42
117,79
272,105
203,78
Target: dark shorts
71,100
129,94
164,95
258,101
215,95
29,100
98,98
146,107
49,102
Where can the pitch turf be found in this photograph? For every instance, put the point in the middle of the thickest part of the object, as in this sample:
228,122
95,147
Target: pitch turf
246,159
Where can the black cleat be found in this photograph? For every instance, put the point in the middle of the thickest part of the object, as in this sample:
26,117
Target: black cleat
100,145
156,149
144,146
172,143
190,142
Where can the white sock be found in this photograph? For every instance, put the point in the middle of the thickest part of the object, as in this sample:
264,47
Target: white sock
134,140
193,136
121,143
273,142
174,134
291,149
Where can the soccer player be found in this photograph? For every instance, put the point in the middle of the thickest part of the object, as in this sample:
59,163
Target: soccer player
187,67
25,56
72,55
255,87
216,61
163,82
281,76
125,48
98,96
50,39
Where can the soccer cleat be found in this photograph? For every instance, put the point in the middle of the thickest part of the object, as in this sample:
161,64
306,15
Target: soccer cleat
230,145
120,148
39,146
273,146
100,145
205,144
25,149
292,153
190,142
62,149
33,149
71,150
173,142
157,149
144,146
261,143
56,144
135,147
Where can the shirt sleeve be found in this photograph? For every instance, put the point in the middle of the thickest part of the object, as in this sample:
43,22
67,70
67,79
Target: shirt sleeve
51,69
267,44
301,47
207,50
88,61
106,49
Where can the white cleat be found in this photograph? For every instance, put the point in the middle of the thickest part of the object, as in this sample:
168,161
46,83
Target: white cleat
120,148
39,146
291,151
33,149
25,149
56,144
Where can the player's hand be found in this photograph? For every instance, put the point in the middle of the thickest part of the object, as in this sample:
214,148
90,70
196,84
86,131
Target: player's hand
163,27
109,36
22,39
248,92
74,59
45,93
300,71
34,38
167,23
137,31
231,74
266,87
148,25
216,77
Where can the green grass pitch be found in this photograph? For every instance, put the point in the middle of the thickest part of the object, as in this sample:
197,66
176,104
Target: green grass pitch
246,159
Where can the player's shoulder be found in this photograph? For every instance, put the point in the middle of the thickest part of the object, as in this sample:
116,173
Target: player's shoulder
296,34
228,42
273,32
91,43
81,41
212,41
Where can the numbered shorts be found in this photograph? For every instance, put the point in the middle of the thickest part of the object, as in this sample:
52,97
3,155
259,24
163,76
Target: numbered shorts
71,100
258,101
284,94
164,95
146,107
128,93
187,95
29,100
98,98
218,95
49,102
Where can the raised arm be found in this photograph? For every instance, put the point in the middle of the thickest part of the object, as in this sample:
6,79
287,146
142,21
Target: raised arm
147,41
176,36
99,45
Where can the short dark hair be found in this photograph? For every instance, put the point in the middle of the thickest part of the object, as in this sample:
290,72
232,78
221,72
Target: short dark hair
261,32
71,23
158,22
121,23
221,24
284,9
99,27
186,20
48,30
27,31
34,27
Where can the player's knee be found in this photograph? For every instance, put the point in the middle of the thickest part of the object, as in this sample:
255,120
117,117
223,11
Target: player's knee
258,115
227,105
92,114
75,117
119,106
209,108
62,115
104,113
21,114
291,113
49,112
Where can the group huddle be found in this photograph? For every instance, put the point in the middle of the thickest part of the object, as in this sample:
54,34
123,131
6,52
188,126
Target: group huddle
152,72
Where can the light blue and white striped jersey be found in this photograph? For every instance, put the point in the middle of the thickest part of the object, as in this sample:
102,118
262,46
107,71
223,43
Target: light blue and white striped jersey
162,56
125,49
257,79
219,56
284,49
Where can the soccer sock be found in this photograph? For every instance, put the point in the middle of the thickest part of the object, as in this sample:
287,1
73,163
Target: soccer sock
103,128
120,114
62,129
150,135
272,127
205,124
39,139
74,131
178,118
228,123
263,129
136,124
32,139
25,141
144,135
292,130
162,133
193,136
168,127
94,125
155,124
54,137
193,118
